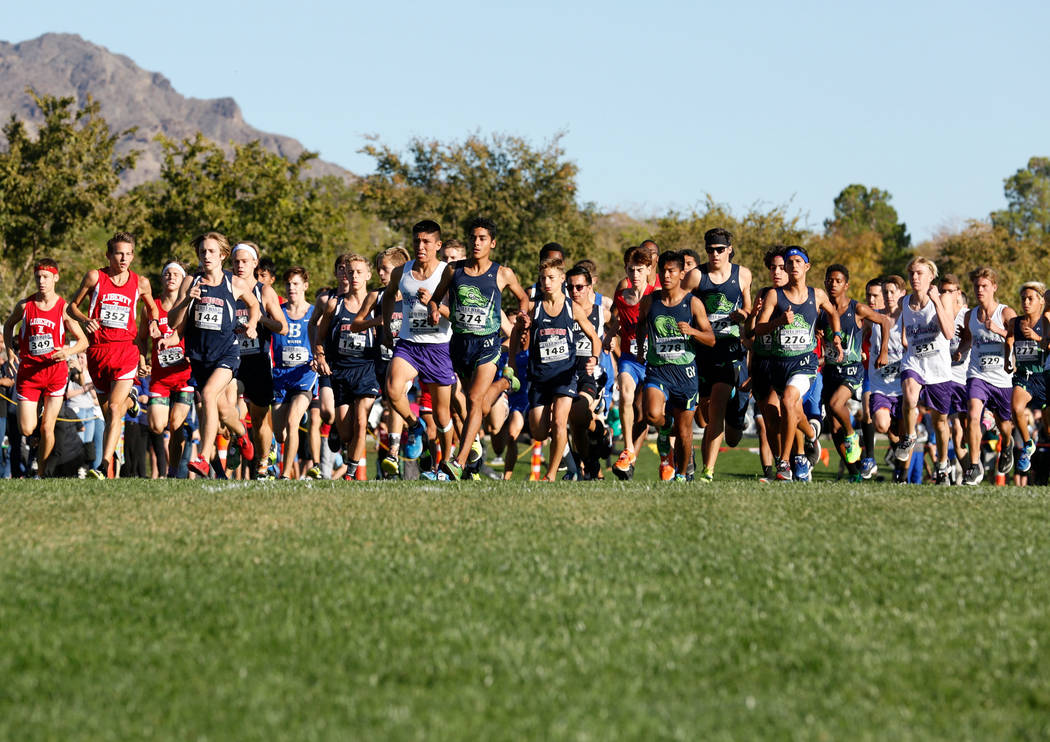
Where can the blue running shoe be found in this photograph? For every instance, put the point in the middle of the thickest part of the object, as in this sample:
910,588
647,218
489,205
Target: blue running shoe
802,470
1024,459
416,436
868,468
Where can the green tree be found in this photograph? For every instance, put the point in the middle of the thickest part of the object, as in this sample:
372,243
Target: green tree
530,193
250,194
1027,215
859,209
55,186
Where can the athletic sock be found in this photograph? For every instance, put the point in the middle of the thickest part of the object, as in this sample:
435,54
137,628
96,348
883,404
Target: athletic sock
351,469
869,440
395,444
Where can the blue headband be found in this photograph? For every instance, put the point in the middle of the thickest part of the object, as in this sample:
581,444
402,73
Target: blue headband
797,251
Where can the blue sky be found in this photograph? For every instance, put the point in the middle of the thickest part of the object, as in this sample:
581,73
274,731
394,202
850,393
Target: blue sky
662,102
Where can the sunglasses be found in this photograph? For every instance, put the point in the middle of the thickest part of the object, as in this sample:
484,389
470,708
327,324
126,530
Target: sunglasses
716,249
578,286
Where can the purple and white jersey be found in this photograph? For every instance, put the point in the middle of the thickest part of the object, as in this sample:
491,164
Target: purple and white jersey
987,351
959,367
928,354
886,380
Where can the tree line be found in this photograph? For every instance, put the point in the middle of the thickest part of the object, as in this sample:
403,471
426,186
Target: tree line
60,197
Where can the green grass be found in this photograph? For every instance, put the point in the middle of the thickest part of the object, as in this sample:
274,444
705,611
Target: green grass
571,611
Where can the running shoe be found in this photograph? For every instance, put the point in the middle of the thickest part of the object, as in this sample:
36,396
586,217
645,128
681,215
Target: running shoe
784,471
98,472
476,452
1024,460
679,477
853,448
974,475
903,451
868,468
623,466
314,472
1004,463
803,472
811,448
244,442
390,467
414,443
943,475
707,475
200,467
135,407
515,382
666,468
452,469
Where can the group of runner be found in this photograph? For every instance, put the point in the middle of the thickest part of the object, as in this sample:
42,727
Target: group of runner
429,362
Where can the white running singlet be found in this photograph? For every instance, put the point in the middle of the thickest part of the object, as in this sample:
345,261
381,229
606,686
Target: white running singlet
415,316
986,351
928,353
886,380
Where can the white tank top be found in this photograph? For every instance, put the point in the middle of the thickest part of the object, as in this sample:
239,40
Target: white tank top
959,368
928,353
415,317
986,351
886,380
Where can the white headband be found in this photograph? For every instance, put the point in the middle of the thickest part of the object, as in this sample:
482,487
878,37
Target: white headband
174,265
243,246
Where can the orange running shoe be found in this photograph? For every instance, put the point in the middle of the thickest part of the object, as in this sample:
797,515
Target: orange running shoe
244,443
666,469
626,460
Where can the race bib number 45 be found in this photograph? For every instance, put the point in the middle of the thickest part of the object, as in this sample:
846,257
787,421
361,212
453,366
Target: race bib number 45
294,355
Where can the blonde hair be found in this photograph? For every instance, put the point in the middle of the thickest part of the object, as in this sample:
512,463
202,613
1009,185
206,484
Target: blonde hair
1037,286
984,272
922,260
548,264
224,244
395,255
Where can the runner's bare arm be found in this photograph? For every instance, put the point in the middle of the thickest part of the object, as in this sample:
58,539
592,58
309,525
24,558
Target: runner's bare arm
965,339
745,292
188,291
583,320
702,332
439,293
242,290
273,320
509,280
89,282
389,299
73,328
323,324
9,326
867,313
361,321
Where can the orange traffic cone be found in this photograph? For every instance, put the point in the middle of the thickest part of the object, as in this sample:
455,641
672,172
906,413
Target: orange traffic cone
537,461
1000,479
221,444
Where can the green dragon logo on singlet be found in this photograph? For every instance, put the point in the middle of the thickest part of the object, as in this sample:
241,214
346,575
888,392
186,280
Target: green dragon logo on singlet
718,304
666,327
471,296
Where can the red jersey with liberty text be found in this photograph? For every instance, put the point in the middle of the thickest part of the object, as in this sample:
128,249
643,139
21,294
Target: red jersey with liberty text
114,308
43,332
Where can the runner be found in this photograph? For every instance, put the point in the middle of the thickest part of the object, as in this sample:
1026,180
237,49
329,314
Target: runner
875,299
347,352
170,393
624,325
989,384
587,414
725,289
674,320
843,379
789,314
885,402
42,350
294,378
954,301
475,287
1026,355
325,395
422,350
927,326
205,315
114,357
255,374
552,360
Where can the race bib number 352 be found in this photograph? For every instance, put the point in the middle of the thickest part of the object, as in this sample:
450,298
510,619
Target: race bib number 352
114,315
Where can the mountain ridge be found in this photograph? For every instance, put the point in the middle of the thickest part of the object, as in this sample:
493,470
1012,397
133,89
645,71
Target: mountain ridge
63,64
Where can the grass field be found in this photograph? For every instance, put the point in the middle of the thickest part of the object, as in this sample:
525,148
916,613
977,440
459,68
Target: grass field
279,610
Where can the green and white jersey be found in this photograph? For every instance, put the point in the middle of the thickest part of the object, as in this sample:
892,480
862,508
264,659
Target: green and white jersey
475,301
667,343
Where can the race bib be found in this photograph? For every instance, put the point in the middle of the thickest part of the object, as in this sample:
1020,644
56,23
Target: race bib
419,320
250,346
795,339
471,318
890,372
294,355
41,345
114,315
671,349
926,349
395,325
351,343
554,349
1027,351
169,356
990,361
721,324
207,317
634,347
583,345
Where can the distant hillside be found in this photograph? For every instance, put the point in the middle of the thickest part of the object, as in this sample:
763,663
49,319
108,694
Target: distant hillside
67,65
